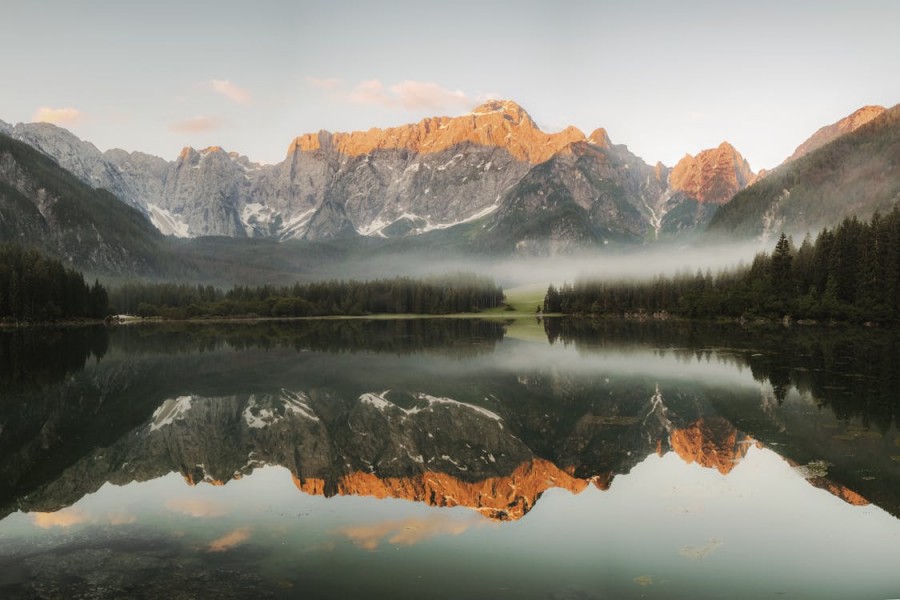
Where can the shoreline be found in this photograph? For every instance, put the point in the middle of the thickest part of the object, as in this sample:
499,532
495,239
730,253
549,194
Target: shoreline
130,320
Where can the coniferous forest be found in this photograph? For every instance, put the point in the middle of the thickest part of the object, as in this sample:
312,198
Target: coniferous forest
451,294
849,273
34,287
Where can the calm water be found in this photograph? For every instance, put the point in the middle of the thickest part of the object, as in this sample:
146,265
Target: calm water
449,459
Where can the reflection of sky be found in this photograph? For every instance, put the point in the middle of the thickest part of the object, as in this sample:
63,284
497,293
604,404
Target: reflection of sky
714,369
662,528
518,357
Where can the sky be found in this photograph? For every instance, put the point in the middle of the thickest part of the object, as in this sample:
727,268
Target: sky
664,78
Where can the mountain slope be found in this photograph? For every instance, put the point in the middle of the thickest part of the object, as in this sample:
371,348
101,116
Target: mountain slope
829,133
45,206
584,195
854,175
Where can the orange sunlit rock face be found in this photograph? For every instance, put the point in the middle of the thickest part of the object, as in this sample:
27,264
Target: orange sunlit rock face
842,492
499,498
713,443
835,489
497,123
713,175
191,480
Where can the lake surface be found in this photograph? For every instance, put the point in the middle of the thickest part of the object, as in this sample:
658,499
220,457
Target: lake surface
449,458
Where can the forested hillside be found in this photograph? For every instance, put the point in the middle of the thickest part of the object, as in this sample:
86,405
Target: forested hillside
851,272
855,175
36,288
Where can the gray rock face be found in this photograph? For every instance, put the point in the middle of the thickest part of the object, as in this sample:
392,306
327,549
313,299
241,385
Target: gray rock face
43,205
80,158
145,174
206,190
586,195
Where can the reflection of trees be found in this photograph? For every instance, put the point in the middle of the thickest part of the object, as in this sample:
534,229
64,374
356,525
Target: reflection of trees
34,356
460,337
851,370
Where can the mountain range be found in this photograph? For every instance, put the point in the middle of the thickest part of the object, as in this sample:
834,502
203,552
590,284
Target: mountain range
491,181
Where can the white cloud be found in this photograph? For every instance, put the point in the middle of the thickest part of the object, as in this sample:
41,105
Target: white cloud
411,95
64,518
370,92
325,83
198,125
231,91
229,540
59,116
418,94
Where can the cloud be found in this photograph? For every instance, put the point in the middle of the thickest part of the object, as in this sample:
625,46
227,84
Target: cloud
416,94
62,518
405,533
120,518
328,84
59,116
198,125
411,95
195,507
231,91
229,540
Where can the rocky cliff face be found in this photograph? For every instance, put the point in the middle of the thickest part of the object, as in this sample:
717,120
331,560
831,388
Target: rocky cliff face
712,176
206,191
712,443
586,194
829,133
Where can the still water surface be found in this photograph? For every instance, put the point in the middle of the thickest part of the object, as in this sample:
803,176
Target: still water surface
449,459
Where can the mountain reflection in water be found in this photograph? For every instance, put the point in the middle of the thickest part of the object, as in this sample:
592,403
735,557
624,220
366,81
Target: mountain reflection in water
443,412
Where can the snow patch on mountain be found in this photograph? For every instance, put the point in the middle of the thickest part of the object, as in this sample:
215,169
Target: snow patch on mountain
378,225
168,223
171,410
297,403
473,217
436,400
381,402
295,227
263,411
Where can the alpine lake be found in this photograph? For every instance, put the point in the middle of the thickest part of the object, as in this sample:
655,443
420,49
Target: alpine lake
450,458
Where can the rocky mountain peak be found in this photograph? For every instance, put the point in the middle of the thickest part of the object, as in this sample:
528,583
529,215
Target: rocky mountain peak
188,154
711,443
829,133
497,123
713,175
508,109
599,137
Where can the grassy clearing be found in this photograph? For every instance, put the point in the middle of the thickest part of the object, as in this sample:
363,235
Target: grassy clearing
524,299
